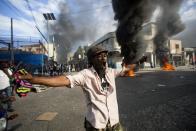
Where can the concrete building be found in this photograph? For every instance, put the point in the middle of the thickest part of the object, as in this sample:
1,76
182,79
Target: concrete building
34,48
50,49
175,51
150,31
40,48
189,56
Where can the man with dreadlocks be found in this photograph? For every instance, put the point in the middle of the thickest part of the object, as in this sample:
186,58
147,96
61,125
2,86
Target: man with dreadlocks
98,84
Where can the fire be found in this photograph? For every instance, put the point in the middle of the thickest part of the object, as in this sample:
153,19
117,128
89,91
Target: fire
166,65
130,72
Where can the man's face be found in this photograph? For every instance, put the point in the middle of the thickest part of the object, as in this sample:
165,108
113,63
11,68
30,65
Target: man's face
4,65
100,61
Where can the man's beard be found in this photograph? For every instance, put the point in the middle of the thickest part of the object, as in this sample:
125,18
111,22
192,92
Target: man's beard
100,68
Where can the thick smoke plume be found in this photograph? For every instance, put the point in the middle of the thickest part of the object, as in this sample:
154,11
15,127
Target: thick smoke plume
78,24
131,15
66,33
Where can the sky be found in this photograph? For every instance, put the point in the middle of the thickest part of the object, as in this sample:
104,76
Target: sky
85,20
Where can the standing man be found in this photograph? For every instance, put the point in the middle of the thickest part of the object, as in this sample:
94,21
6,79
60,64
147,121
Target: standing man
98,84
5,82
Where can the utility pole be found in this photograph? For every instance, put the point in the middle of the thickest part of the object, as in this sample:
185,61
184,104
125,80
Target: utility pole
11,47
48,37
193,57
42,55
53,48
49,17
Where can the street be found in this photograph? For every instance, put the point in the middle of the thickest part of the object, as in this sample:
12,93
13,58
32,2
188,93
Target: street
151,101
158,101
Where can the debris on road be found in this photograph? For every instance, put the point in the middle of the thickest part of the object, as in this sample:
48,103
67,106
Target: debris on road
47,116
181,77
161,85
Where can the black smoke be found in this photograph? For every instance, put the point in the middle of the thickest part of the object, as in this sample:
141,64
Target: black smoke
131,15
168,25
78,24
67,33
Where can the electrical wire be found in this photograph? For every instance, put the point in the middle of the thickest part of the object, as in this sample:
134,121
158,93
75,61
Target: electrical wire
18,13
13,8
36,25
30,9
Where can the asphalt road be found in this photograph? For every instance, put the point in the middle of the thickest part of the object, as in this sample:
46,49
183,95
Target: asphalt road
152,101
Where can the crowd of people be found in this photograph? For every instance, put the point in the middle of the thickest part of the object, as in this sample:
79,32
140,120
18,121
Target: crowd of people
58,69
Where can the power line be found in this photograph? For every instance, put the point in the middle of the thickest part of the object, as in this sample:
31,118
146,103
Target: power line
29,7
18,13
42,34
13,8
36,25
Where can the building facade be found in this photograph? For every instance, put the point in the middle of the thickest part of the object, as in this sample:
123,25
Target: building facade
175,51
34,48
189,56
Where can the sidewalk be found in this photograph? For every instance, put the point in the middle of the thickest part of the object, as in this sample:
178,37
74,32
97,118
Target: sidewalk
149,69
178,68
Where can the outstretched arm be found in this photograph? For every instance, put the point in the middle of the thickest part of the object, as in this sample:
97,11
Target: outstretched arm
55,81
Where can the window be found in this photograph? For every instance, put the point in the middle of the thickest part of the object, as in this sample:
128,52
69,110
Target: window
177,46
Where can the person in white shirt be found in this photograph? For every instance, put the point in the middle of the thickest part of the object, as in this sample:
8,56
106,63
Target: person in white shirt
5,76
98,85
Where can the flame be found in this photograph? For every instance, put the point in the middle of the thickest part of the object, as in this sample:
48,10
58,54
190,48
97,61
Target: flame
130,72
168,67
